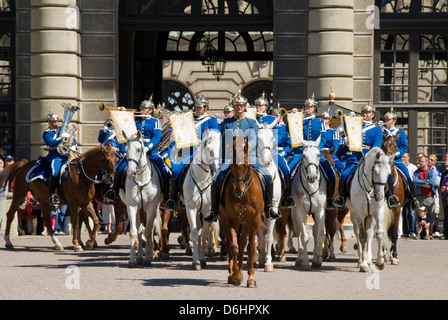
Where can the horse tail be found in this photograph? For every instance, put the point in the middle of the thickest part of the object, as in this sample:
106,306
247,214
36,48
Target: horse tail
9,172
388,222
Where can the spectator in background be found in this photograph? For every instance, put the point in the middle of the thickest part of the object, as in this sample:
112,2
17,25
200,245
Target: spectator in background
443,169
407,213
59,212
432,164
425,182
423,222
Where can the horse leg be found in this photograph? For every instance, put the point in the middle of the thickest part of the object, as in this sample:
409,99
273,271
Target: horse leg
132,216
18,197
74,219
92,233
394,236
319,238
251,282
269,266
45,209
342,213
120,211
363,249
330,226
194,236
302,234
167,217
149,234
233,249
379,237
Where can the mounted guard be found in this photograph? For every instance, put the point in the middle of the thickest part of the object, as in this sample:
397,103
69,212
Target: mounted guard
240,126
59,141
313,128
390,119
372,137
202,121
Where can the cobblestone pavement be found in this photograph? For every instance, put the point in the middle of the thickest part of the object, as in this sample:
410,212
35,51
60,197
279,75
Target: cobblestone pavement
34,270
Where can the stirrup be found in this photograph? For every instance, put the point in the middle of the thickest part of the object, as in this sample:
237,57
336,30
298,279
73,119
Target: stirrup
110,196
54,199
415,204
170,205
288,202
273,215
212,217
393,201
339,202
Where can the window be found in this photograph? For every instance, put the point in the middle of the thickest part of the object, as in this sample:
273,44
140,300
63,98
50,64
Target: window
175,95
432,132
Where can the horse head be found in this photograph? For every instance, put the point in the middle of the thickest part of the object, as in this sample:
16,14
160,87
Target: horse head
209,152
240,167
265,144
135,154
109,159
389,144
377,169
311,160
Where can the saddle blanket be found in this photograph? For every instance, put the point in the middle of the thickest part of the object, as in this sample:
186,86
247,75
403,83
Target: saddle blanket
42,170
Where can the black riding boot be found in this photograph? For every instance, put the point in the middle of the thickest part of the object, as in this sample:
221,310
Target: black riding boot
330,192
340,199
392,199
214,198
269,191
52,186
166,187
414,202
170,204
110,195
287,200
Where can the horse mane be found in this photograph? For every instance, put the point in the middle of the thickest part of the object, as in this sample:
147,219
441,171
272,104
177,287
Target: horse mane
373,155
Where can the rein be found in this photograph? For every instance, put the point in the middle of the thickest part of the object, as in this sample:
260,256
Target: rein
362,182
247,180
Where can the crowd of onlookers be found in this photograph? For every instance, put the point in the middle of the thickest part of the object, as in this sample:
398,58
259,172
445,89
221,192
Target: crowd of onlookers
431,182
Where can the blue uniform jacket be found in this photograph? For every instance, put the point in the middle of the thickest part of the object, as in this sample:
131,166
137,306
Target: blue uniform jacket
151,131
231,127
402,142
109,138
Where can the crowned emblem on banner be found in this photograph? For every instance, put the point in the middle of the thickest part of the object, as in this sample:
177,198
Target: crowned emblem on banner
353,130
251,112
295,124
123,120
184,130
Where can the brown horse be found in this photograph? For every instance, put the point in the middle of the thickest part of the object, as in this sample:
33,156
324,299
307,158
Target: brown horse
334,217
392,216
240,214
76,191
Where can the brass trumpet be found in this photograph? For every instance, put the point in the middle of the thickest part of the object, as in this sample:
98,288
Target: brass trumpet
102,106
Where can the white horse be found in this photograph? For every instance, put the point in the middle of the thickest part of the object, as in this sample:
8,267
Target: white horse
197,193
142,192
310,195
265,148
367,204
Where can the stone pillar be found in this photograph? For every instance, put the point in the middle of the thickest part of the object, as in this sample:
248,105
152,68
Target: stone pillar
330,49
54,64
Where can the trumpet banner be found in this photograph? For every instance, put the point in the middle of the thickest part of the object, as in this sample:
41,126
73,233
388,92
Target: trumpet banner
353,129
123,121
184,130
295,124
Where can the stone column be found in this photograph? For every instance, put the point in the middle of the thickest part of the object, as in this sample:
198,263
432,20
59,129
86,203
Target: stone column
330,49
54,64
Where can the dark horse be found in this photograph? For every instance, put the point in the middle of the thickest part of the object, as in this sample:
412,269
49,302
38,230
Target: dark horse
400,189
76,191
240,214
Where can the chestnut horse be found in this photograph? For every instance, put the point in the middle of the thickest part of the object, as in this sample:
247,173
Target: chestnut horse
76,191
240,213
393,215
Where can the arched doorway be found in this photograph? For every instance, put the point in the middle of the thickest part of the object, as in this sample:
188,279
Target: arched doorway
158,43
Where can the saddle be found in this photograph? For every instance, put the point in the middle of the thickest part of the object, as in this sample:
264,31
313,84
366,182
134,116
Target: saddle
42,170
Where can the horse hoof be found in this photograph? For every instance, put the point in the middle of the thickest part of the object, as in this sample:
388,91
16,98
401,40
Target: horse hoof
364,269
139,261
395,261
90,245
189,252
251,284
107,241
78,249
132,265
343,249
381,266
236,283
165,255
59,247
9,246
317,265
147,263
331,258
268,268
203,264
229,280
282,258
196,266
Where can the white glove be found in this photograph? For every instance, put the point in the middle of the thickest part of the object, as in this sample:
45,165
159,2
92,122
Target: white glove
64,135
73,148
146,149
